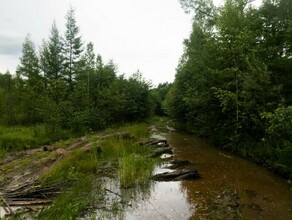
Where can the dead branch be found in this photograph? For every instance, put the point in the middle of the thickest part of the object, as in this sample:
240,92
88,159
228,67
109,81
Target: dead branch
113,192
11,211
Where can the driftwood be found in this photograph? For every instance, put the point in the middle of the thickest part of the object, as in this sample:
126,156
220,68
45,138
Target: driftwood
29,194
108,190
7,207
27,202
161,151
174,164
157,143
177,175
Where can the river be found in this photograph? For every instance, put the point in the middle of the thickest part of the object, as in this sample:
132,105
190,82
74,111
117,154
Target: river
259,194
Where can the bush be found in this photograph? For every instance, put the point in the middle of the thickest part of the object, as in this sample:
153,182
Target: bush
279,129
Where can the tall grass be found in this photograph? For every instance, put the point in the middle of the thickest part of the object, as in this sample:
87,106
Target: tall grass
21,138
134,170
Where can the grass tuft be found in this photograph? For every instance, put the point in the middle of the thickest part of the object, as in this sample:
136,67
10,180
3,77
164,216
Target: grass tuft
135,170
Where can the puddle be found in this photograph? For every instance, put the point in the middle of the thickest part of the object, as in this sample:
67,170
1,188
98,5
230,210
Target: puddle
167,200
158,200
260,194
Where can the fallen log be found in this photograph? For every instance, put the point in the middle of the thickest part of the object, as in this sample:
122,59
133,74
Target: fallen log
177,175
174,164
28,201
160,151
155,143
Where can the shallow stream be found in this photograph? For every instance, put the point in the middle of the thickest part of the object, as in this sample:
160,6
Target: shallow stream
261,194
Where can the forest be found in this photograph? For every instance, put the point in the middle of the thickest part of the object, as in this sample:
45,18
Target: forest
65,89
78,140
233,85
234,82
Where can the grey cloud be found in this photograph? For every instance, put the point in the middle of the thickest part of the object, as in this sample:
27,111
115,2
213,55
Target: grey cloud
10,44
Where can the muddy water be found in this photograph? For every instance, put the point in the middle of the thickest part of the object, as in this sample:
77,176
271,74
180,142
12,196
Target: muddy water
262,195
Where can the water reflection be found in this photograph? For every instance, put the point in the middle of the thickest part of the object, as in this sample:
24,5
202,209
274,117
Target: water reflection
262,195
167,200
259,193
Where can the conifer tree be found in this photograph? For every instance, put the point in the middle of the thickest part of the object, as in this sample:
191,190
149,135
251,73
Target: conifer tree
55,58
51,59
29,71
29,63
72,48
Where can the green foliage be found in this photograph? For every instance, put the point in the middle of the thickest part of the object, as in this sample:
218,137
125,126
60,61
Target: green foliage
21,138
234,74
51,57
159,96
29,63
279,126
69,90
72,48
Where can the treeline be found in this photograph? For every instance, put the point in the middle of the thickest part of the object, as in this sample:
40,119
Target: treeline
65,86
234,80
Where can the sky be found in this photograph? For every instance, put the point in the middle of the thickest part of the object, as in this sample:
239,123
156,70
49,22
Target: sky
144,35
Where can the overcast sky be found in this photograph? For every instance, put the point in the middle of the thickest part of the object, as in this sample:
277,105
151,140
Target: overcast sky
136,34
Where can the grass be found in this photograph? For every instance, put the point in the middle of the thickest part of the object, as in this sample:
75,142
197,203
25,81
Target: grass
75,165
76,201
22,138
80,171
18,138
135,170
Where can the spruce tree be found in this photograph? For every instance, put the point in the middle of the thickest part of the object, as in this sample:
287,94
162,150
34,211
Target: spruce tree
29,63
51,59
55,58
29,71
72,48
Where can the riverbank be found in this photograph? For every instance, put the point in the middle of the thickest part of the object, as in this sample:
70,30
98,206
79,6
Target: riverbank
113,175
65,178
